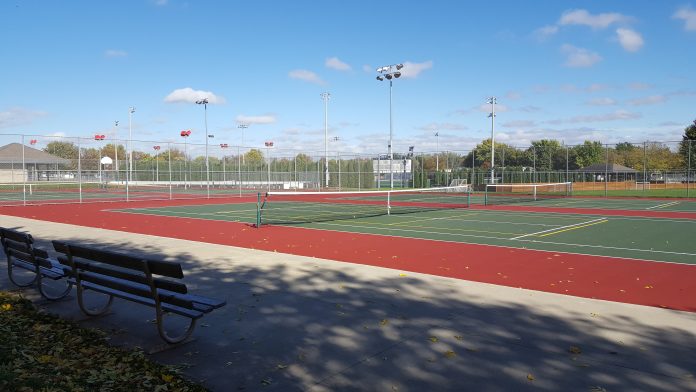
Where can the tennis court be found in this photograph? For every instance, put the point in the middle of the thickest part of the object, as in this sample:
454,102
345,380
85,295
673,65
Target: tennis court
461,218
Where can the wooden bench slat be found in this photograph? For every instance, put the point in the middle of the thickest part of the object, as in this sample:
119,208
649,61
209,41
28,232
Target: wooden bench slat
107,270
191,313
15,235
46,268
42,262
156,267
134,288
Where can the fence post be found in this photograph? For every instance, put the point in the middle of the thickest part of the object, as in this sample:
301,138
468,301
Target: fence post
567,165
169,160
606,171
688,169
24,176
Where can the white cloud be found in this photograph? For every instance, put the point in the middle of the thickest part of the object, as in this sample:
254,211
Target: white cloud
513,95
688,15
651,100
598,21
602,102
614,116
443,126
160,2
189,95
264,119
17,116
596,87
307,76
367,68
338,65
629,39
579,57
412,70
639,86
519,124
545,32
485,108
530,109
113,53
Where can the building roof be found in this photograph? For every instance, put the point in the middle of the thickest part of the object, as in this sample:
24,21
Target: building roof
611,168
12,153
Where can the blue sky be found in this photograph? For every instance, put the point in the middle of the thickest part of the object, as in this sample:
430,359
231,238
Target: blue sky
569,70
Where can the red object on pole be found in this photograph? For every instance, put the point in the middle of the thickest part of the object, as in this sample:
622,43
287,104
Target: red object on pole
156,147
186,133
269,144
32,141
224,145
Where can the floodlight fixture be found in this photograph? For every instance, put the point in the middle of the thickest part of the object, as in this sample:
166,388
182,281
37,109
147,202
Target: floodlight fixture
390,72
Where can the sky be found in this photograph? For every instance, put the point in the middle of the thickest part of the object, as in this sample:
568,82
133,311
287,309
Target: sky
568,70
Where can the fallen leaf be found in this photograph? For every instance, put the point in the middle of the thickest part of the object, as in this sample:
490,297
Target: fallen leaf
450,354
530,377
575,350
433,339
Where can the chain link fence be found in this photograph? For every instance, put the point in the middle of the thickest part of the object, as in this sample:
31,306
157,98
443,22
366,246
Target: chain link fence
37,169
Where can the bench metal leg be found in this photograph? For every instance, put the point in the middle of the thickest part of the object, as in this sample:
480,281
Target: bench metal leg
13,279
91,312
50,293
173,339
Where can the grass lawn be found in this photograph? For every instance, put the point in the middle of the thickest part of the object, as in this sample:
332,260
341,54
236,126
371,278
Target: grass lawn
41,352
640,193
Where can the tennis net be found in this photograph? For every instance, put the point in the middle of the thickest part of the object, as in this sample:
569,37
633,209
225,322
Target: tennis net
521,193
306,207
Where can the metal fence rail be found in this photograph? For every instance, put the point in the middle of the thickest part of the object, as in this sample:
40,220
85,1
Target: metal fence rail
38,169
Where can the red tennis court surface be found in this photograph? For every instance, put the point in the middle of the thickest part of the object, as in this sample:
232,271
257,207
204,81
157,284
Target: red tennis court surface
665,285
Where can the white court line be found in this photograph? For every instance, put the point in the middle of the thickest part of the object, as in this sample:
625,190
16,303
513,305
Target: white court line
558,228
649,251
663,205
612,247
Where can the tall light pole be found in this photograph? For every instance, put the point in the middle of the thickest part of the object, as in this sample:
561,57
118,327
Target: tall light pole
437,151
325,97
185,134
204,102
390,72
243,126
116,147
156,148
269,145
131,110
492,101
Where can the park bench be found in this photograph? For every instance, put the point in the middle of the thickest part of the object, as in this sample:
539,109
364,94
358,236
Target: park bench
148,282
21,253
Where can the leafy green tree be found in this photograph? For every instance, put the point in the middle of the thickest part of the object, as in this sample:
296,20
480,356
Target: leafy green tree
254,157
687,147
545,150
589,153
67,150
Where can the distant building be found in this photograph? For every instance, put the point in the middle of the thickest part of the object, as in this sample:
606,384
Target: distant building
613,170
19,163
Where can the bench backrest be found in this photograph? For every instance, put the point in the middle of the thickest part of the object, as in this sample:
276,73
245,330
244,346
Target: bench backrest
143,277
21,246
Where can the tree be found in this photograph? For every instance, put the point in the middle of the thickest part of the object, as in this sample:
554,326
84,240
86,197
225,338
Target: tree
687,147
589,153
65,150
254,157
545,150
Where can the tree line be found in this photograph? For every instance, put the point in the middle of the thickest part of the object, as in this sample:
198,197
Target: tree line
541,155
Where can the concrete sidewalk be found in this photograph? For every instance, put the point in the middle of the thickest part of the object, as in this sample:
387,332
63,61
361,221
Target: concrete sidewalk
304,324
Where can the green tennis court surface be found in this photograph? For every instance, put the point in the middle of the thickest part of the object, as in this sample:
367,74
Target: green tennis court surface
658,239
